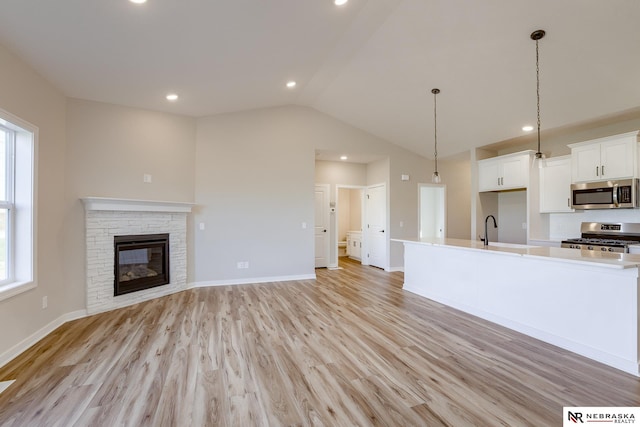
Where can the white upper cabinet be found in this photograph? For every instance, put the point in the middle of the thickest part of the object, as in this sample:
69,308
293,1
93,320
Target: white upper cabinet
613,157
504,172
555,185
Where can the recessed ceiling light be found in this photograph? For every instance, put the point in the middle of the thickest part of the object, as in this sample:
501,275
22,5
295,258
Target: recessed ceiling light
527,128
343,157
172,97
340,2
138,1
291,84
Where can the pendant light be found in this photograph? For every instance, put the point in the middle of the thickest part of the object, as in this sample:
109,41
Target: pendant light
536,36
435,177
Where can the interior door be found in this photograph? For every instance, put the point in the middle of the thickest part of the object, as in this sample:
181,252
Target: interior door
432,211
322,225
376,232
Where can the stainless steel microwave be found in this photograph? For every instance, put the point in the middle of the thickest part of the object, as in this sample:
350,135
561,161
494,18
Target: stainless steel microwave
605,194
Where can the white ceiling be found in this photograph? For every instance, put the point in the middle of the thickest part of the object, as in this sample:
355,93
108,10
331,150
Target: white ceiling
370,63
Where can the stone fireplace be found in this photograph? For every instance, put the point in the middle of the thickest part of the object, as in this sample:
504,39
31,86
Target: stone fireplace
141,225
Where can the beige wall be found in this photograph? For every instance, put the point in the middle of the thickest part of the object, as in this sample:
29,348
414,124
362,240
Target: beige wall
27,95
340,173
110,148
456,174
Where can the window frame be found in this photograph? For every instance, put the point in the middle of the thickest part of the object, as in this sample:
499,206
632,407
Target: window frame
23,216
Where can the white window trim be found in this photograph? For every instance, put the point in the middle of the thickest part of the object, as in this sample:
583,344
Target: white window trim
25,215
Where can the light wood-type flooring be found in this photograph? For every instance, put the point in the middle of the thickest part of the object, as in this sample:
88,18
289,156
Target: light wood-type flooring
349,349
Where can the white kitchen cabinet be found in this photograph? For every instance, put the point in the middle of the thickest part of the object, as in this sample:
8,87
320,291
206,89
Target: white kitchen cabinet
555,185
613,157
504,172
354,244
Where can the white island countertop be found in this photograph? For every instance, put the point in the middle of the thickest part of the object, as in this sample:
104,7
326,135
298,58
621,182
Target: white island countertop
592,258
583,301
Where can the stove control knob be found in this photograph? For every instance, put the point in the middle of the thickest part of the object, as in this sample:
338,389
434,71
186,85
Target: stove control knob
605,249
610,249
590,248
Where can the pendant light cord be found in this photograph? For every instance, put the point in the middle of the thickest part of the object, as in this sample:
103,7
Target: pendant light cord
538,91
435,129
435,92
537,35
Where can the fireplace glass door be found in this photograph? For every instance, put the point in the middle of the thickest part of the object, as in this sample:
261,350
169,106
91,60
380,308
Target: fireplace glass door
141,262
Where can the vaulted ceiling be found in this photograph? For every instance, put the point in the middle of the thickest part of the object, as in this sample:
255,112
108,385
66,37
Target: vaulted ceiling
370,63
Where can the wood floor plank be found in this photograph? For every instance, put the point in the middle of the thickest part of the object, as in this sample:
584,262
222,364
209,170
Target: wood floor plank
348,349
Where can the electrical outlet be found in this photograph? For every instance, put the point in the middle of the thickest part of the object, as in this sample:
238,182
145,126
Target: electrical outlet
45,302
243,264
202,226
146,178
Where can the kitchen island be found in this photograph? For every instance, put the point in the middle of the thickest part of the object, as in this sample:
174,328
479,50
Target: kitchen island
583,301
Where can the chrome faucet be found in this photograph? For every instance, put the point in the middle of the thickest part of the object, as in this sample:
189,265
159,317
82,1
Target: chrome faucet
486,234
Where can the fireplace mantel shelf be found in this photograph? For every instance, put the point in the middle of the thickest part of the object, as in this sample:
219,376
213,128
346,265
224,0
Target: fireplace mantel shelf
134,205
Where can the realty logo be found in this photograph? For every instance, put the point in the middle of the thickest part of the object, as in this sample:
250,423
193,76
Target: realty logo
574,417
603,415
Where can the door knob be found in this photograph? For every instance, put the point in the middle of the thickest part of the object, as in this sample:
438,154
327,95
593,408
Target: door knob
324,231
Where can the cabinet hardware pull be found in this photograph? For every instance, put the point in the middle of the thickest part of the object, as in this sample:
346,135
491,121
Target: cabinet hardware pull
597,171
602,169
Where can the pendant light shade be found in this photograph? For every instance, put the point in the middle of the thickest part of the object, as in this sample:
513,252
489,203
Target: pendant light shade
536,36
435,177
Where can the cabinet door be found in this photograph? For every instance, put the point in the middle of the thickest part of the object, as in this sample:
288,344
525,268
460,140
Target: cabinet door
488,175
515,172
555,186
357,248
617,159
586,163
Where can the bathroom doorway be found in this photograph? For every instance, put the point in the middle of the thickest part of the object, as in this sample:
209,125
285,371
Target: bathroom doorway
349,211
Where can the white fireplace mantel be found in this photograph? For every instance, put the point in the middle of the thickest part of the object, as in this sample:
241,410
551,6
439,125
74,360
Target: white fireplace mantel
134,205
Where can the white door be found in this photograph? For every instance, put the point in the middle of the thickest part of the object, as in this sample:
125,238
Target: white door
432,210
322,225
376,232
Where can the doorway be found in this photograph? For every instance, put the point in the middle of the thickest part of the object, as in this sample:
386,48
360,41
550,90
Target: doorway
432,215
350,210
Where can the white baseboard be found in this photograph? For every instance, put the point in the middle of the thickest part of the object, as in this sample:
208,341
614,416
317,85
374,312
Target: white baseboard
399,268
251,280
23,345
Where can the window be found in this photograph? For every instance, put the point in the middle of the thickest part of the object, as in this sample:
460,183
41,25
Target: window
17,195
7,138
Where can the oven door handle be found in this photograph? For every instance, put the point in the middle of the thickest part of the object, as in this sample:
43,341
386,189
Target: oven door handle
615,195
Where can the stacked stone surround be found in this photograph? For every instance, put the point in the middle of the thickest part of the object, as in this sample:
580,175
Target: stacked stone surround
102,226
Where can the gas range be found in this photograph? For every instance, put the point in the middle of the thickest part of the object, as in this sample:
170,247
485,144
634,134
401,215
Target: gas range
609,237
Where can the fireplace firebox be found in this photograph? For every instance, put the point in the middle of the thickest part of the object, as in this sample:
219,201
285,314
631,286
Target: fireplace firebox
141,262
